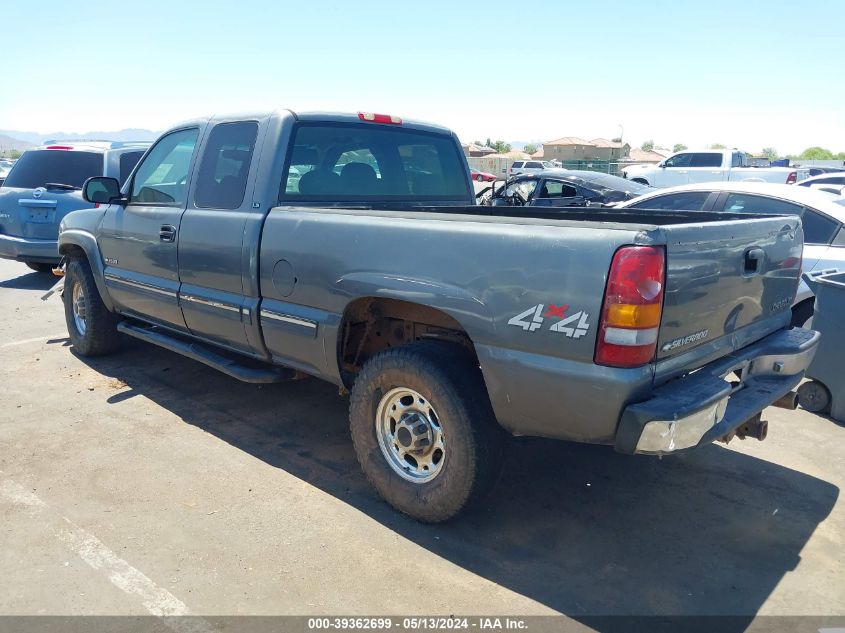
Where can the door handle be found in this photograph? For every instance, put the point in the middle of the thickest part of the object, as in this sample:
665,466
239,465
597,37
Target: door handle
753,258
167,233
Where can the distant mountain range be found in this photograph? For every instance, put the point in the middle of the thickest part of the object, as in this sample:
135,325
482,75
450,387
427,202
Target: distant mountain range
15,139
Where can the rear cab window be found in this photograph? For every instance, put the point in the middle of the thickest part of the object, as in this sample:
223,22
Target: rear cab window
706,159
37,168
349,161
223,172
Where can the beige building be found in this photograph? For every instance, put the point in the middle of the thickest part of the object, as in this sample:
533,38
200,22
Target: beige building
567,148
573,148
610,150
471,149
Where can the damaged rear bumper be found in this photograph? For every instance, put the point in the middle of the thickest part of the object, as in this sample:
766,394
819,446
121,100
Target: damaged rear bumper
702,406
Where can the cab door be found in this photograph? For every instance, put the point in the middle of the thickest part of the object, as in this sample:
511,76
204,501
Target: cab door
707,167
139,241
214,252
674,170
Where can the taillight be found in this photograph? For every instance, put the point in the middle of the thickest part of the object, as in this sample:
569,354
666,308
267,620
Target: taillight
379,118
58,147
792,177
633,302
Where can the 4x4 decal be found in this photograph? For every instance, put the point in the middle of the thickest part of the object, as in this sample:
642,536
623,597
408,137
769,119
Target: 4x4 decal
573,326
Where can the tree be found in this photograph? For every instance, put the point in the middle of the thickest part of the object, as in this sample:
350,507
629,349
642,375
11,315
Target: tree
501,147
530,148
816,153
717,146
769,152
647,145
489,143
679,147
840,156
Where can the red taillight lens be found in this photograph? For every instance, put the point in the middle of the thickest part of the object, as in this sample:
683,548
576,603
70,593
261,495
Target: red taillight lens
59,147
633,302
792,177
379,118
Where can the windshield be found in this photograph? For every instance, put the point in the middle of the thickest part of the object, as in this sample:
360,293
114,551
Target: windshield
36,168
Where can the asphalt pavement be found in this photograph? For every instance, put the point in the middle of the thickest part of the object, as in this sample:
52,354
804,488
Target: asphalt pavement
144,483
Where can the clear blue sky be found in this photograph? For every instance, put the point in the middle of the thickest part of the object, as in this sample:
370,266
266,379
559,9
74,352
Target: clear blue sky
742,73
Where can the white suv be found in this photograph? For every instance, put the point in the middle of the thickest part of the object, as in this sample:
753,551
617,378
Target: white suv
528,167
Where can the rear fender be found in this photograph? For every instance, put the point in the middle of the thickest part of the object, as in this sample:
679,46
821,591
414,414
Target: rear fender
468,310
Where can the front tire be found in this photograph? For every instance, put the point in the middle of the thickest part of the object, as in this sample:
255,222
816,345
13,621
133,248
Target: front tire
424,431
92,328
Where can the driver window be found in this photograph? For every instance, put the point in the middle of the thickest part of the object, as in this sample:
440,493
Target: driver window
679,160
557,189
523,188
162,177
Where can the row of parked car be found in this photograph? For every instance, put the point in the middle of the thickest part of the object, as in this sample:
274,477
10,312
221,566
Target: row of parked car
46,184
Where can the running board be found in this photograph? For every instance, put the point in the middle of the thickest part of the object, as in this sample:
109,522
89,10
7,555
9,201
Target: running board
203,354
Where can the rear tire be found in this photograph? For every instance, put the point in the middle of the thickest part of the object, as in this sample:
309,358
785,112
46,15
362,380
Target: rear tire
92,328
40,268
434,394
814,397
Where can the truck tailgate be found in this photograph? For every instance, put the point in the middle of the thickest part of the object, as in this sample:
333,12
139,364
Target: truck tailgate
727,275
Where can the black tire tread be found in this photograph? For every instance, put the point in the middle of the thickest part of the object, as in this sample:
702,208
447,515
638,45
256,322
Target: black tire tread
456,372
101,336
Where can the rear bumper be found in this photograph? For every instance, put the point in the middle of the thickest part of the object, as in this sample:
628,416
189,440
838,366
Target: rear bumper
25,249
702,407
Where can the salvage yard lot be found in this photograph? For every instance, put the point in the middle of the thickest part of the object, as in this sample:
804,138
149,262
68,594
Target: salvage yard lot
145,481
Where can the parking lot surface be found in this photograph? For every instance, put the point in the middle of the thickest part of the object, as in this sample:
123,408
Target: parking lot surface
147,483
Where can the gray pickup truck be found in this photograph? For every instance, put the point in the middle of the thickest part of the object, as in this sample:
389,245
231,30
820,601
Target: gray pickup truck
347,248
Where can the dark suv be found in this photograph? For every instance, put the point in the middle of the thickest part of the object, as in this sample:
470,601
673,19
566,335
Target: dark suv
45,184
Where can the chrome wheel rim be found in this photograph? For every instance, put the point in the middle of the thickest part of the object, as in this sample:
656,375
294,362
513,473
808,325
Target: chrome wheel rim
78,307
410,436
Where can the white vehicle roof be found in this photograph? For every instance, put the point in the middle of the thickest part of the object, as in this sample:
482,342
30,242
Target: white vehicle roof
818,200
812,179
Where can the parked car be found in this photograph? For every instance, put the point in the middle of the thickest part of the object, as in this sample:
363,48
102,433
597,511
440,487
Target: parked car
566,188
709,166
5,167
481,176
820,171
528,167
822,216
44,185
830,178
446,323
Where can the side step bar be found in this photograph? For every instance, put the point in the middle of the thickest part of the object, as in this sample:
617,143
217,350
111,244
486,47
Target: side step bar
199,352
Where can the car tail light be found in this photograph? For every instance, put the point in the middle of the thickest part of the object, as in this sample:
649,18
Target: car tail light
59,147
379,118
633,303
792,177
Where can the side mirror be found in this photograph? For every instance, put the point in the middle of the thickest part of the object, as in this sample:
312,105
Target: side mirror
662,165
101,190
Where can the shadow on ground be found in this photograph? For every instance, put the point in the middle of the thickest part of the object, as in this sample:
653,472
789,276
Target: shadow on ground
580,529
30,281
